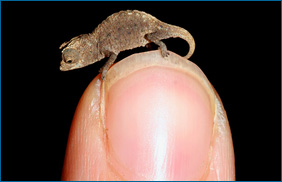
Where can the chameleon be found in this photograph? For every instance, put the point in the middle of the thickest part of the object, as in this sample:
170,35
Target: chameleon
121,31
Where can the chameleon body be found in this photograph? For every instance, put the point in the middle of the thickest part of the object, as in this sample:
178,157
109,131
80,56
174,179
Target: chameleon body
121,31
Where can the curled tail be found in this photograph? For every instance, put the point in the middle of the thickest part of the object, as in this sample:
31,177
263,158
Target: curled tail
179,32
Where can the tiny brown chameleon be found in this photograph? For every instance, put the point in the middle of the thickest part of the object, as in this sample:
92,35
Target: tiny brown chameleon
121,31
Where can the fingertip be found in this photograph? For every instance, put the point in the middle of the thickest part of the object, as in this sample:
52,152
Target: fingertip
163,119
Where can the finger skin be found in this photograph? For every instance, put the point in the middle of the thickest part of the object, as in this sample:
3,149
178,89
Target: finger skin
94,153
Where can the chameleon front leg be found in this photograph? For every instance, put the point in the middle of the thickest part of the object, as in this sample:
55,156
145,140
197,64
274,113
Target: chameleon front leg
108,64
153,37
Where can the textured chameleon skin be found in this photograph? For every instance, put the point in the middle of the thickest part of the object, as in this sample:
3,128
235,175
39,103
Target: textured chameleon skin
121,31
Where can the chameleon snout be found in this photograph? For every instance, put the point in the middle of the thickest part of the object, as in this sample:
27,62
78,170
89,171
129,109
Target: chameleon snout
63,66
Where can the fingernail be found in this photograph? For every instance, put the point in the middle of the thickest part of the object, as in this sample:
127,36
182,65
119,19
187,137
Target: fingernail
159,120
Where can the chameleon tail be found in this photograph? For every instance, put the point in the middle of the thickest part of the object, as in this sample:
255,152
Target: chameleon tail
183,34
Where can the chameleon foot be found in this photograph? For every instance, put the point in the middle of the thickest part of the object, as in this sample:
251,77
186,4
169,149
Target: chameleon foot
108,64
153,38
164,53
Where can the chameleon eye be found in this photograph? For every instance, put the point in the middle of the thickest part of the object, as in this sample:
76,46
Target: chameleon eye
69,61
70,56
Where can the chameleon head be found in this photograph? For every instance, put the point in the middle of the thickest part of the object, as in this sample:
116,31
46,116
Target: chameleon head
76,53
71,59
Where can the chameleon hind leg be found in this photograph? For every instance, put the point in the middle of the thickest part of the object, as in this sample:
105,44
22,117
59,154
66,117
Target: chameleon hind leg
108,64
153,37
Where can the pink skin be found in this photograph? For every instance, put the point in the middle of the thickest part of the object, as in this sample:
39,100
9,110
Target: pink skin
160,126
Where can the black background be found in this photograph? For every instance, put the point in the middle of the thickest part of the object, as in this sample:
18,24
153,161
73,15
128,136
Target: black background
237,46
